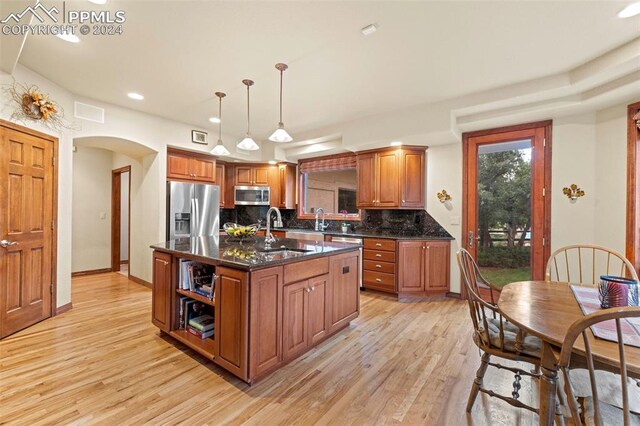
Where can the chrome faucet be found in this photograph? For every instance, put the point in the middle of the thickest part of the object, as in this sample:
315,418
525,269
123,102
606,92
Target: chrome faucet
269,238
320,227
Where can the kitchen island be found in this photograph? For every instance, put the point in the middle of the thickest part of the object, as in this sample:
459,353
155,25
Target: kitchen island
271,303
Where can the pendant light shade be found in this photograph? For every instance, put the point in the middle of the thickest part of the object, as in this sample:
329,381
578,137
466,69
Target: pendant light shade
248,144
280,134
219,149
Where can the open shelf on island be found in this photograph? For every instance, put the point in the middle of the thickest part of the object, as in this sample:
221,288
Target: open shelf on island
203,346
196,296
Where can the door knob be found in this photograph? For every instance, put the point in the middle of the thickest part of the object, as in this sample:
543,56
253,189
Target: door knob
7,243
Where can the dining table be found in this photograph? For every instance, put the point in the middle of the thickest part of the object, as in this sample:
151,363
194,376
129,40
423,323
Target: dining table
547,309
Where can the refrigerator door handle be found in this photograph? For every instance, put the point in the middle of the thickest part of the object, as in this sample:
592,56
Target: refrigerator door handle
194,218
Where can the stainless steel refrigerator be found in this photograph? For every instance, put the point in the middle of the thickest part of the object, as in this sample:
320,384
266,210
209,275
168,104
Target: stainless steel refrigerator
193,210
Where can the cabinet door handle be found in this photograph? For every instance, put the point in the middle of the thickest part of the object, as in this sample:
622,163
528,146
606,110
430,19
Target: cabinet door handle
378,266
378,280
308,290
402,201
378,255
313,288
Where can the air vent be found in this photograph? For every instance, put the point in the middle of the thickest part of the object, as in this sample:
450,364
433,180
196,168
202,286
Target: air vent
88,112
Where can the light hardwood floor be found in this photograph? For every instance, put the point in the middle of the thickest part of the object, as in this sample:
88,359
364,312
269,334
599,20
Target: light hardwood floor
103,362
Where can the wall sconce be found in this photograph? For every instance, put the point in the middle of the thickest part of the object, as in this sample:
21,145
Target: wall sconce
445,199
573,192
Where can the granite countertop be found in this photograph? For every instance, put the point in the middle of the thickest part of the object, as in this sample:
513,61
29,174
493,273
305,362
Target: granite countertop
386,234
250,254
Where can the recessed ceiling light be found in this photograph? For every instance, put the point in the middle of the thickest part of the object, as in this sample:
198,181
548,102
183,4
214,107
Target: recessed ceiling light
632,10
369,29
214,120
98,1
395,143
136,96
273,162
71,38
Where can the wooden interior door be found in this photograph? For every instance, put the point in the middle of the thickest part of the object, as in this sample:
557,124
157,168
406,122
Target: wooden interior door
26,229
539,135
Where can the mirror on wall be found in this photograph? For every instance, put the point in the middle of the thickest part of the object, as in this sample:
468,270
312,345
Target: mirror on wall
330,186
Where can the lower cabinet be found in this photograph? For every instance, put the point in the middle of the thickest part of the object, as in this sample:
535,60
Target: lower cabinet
423,267
231,321
344,299
265,320
161,291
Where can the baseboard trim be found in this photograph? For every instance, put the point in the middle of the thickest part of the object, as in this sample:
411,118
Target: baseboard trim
454,295
64,308
140,281
90,272
124,262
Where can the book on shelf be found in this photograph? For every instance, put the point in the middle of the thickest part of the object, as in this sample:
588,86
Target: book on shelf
200,334
184,273
192,309
183,300
202,323
200,274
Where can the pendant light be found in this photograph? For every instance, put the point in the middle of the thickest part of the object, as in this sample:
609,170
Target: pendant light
248,144
219,149
281,135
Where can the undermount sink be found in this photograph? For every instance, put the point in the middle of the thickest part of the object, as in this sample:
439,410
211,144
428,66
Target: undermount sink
305,235
282,253
283,249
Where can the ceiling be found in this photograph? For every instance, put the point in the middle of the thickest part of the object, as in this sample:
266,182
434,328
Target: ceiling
178,53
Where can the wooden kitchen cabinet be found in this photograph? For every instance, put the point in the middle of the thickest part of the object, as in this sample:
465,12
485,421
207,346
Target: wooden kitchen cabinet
283,189
391,178
423,267
161,291
252,175
295,319
231,321
220,169
318,309
344,291
266,320
190,166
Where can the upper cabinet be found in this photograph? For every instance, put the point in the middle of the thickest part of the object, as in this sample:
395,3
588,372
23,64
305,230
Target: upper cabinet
190,166
283,189
391,178
252,175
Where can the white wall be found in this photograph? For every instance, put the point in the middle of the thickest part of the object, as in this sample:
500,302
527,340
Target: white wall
124,216
611,172
91,225
444,171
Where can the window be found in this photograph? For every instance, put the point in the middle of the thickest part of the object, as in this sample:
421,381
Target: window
328,183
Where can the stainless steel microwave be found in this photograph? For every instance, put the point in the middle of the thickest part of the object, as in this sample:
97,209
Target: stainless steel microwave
252,195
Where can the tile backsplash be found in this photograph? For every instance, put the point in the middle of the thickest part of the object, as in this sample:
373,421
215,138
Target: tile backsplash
393,221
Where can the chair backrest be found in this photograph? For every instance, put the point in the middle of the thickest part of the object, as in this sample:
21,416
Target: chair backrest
579,328
480,309
584,264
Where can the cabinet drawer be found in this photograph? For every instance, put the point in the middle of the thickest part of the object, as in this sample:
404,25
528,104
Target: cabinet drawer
379,281
372,265
379,244
302,270
385,256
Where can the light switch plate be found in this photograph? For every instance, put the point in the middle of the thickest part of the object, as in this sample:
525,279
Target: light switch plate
455,220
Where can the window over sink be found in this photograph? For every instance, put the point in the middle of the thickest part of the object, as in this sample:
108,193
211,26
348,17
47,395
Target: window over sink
329,183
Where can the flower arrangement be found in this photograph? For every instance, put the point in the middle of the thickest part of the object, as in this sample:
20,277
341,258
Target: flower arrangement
345,225
573,192
35,105
444,196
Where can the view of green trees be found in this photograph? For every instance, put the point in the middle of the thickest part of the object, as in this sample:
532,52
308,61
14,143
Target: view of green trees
504,215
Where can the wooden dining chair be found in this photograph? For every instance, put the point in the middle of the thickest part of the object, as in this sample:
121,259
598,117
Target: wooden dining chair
600,404
495,336
584,264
